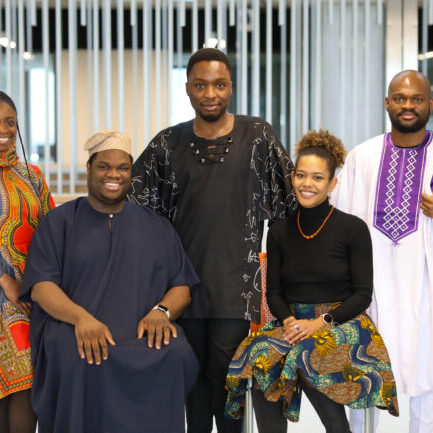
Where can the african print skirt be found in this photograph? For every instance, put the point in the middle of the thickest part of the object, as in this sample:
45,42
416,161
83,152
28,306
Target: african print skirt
348,363
16,370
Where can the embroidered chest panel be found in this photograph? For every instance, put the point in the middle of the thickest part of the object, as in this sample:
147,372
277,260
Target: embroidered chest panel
399,188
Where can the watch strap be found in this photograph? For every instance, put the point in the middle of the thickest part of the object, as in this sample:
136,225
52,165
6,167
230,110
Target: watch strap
163,309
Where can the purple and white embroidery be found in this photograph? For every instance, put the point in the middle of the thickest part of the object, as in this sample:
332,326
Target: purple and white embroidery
399,188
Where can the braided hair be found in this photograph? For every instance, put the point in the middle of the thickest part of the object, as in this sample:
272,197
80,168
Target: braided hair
6,99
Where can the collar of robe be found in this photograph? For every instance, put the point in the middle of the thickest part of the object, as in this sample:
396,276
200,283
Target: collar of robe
9,157
211,151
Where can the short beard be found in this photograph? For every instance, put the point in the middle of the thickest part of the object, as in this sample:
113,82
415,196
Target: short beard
417,126
211,117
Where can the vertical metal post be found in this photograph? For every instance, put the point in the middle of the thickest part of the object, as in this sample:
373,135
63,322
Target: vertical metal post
207,21
83,13
21,71
194,26
293,74
244,59
256,60
369,420
269,61
134,30
89,42
430,13
46,59
239,55
59,125
355,73
367,70
330,12
342,114
170,49
8,48
107,62
379,5
72,46
424,32
147,24
120,63
283,75
232,16
318,66
96,65
306,67
158,62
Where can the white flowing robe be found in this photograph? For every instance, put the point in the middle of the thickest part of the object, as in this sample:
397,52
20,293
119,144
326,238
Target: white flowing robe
402,305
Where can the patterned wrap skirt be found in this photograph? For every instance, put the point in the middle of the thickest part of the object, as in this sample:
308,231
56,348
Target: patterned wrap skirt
16,369
348,363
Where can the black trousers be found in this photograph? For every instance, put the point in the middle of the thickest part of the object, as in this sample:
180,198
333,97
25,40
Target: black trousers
214,342
270,419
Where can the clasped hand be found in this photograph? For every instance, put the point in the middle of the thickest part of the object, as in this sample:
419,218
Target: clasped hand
297,330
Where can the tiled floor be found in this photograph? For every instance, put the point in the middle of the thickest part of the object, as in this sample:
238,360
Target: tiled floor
310,423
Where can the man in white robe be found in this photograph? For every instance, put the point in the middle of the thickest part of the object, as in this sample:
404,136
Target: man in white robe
387,181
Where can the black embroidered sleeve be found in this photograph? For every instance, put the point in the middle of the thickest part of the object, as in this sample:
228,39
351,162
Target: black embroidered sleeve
153,181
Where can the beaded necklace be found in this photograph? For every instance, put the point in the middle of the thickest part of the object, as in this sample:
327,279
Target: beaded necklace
318,230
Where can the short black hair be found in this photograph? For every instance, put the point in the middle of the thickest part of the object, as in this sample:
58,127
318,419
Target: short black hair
208,55
6,99
93,156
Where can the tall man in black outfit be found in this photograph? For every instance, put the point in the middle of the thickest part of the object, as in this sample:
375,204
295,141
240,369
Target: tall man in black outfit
217,178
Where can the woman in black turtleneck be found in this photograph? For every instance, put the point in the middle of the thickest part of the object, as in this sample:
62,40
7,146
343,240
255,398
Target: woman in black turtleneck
319,283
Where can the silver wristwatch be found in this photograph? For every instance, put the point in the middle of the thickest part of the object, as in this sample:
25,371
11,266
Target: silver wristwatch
328,319
162,308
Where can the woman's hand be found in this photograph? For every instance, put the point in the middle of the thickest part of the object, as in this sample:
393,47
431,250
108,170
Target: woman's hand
298,330
11,289
287,321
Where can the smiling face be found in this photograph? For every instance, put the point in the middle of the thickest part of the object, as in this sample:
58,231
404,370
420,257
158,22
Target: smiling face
209,88
108,180
311,180
408,102
8,126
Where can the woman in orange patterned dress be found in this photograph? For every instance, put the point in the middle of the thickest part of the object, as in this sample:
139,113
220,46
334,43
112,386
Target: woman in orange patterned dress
25,198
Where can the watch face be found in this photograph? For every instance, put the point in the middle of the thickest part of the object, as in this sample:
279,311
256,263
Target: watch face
327,318
162,308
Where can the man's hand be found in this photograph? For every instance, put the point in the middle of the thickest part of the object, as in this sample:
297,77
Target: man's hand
427,205
92,338
11,289
299,330
157,326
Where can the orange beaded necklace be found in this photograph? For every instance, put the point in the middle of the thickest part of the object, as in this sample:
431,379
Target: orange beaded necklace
318,230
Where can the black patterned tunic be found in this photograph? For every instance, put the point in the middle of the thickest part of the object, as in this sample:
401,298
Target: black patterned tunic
217,193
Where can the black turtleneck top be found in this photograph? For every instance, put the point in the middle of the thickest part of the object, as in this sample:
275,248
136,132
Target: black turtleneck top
334,266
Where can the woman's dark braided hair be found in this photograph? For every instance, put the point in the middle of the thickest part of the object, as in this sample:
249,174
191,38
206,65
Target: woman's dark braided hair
6,99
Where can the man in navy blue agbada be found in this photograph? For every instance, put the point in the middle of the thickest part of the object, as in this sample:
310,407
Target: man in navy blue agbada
107,278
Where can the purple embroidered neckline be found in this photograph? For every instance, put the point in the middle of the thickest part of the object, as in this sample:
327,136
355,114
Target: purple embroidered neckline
399,188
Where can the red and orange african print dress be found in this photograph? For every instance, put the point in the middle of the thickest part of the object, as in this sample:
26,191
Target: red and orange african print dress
23,203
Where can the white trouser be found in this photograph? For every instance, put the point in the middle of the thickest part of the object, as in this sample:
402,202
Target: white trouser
421,414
